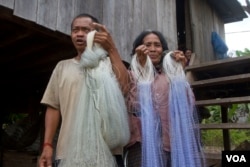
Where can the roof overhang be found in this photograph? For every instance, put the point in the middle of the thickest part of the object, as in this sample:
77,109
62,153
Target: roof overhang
228,10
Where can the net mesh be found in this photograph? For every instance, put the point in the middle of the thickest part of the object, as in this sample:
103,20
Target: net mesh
101,122
186,147
152,154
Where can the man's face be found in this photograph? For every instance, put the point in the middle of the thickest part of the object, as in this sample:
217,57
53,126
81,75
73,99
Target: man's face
80,28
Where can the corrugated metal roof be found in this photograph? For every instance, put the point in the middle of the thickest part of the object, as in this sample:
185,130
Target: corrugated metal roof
228,10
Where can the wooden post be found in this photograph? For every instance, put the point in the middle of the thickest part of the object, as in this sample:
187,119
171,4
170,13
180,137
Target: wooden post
226,135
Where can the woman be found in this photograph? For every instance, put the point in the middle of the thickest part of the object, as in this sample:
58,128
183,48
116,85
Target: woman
149,102
188,54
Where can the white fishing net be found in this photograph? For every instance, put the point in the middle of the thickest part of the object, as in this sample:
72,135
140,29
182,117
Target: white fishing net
145,73
101,122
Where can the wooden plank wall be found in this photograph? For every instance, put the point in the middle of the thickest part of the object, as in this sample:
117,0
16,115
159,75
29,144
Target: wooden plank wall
203,21
47,13
7,3
124,18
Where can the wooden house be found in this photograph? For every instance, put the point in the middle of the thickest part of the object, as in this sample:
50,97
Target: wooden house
35,35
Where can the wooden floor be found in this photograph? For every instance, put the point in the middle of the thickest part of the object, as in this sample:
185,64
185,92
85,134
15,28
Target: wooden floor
19,159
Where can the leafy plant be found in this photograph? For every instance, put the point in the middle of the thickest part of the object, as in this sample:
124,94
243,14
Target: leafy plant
12,118
246,52
214,138
215,112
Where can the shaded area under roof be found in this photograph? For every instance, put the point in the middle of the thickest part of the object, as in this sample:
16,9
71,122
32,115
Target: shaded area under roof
228,10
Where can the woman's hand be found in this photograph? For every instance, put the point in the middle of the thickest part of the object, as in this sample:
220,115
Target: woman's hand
142,53
180,57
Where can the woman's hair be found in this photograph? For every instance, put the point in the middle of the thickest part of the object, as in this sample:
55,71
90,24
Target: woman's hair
139,39
186,49
84,15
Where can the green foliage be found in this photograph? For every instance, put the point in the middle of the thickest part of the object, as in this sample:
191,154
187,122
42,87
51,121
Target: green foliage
246,52
212,138
238,136
14,117
215,114
231,110
215,137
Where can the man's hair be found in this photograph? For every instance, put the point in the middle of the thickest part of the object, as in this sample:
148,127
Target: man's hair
139,40
85,15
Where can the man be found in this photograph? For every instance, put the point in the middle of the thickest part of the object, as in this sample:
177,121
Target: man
61,94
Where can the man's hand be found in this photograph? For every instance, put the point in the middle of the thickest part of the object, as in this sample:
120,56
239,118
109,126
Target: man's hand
45,159
103,37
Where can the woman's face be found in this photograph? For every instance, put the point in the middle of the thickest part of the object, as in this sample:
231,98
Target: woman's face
153,44
188,54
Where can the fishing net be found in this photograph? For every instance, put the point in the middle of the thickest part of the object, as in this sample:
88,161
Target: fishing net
150,121
185,143
101,122
186,148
